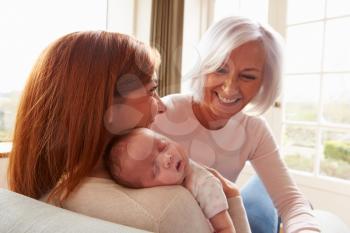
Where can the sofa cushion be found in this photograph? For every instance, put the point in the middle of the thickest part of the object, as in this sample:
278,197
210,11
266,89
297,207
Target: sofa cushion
330,223
23,214
170,209
167,209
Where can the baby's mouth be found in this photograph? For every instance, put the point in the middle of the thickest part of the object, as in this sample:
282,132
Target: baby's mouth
178,165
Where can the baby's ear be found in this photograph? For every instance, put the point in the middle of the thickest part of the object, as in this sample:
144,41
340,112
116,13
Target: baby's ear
119,148
115,170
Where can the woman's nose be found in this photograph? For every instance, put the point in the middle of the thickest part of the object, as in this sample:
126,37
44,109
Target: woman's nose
230,85
161,105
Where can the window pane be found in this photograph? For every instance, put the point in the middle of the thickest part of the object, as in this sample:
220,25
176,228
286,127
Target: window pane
30,26
255,9
336,94
8,107
338,7
301,96
337,49
28,32
336,154
303,48
301,10
224,8
299,145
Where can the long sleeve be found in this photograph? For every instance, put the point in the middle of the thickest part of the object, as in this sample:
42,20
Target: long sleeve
291,204
238,215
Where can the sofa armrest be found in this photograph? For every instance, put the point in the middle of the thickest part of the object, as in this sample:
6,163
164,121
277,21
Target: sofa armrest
329,222
23,214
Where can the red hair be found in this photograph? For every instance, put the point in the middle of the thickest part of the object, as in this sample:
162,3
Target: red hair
59,133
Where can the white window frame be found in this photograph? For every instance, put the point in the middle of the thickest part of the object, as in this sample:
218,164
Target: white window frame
277,19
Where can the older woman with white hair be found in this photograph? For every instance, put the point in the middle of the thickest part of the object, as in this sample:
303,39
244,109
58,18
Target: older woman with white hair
237,78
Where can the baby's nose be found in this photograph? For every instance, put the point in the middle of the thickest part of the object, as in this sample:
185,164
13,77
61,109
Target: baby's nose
168,160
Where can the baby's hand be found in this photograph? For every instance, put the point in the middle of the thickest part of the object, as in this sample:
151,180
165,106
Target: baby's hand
230,188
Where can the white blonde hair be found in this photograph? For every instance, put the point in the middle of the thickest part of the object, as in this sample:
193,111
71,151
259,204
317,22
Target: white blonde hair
216,46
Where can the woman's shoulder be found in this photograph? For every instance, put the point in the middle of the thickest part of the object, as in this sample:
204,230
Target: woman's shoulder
177,100
178,118
252,121
178,108
256,127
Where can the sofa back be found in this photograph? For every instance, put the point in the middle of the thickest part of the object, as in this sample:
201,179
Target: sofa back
19,214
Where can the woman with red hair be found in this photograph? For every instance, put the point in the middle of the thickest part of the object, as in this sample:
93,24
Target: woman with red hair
84,88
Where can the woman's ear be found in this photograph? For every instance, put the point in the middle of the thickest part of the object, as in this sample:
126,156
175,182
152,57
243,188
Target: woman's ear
119,149
115,170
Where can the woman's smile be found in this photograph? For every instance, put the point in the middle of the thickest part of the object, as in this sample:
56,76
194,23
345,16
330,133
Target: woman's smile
228,100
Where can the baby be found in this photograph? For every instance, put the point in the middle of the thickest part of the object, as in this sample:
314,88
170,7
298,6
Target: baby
144,158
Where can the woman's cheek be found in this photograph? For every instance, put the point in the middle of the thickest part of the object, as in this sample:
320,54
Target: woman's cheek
154,108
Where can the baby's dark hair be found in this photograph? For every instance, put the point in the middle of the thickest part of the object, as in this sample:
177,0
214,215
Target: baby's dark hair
112,160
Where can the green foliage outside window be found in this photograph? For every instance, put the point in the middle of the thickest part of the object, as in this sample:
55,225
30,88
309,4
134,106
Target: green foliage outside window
8,109
337,150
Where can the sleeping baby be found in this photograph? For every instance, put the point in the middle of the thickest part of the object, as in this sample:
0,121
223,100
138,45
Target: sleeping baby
143,158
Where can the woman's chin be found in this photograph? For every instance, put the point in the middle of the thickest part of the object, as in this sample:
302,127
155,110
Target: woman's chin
226,112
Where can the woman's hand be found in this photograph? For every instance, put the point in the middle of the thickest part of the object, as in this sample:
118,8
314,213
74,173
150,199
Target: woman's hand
230,188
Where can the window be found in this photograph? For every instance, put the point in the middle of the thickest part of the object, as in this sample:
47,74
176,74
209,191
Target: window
31,25
316,121
28,27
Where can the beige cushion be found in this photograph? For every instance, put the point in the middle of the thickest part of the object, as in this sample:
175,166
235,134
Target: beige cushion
169,209
3,168
23,214
330,223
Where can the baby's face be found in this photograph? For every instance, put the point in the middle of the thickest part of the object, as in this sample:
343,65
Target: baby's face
151,159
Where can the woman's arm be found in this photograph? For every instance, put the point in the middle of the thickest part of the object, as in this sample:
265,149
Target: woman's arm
291,204
236,209
222,223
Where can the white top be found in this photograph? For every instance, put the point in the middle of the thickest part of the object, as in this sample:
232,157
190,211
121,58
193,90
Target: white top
243,138
207,190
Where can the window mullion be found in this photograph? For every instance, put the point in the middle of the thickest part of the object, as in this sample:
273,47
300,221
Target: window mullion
319,144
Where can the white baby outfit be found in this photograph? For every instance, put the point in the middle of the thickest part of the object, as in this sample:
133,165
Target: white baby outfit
207,190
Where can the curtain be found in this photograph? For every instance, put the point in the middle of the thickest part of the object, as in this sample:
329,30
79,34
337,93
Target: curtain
166,36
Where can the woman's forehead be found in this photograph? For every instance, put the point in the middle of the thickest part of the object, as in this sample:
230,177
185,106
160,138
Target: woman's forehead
250,55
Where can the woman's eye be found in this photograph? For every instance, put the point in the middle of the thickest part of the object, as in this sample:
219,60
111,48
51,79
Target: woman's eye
248,77
221,70
153,90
